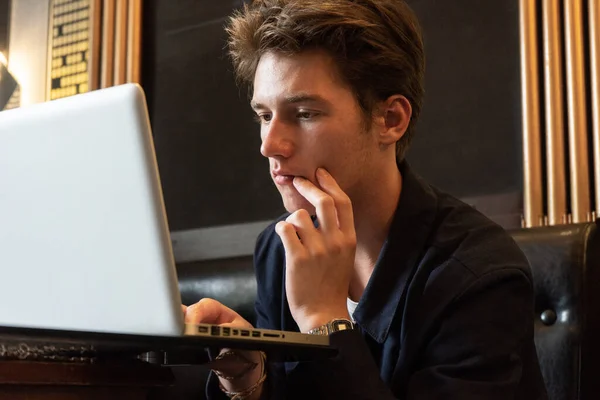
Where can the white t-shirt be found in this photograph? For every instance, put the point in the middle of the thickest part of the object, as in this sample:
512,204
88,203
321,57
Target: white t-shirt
351,307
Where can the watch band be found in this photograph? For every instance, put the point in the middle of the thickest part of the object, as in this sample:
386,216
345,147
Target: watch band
335,325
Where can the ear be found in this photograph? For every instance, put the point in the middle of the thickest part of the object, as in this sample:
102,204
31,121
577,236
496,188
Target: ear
396,114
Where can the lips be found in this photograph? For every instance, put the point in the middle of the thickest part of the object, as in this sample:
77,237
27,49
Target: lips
283,177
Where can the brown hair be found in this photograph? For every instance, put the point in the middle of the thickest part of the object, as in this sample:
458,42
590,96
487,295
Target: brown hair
377,45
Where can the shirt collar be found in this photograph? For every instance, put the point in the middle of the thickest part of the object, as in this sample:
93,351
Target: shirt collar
399,255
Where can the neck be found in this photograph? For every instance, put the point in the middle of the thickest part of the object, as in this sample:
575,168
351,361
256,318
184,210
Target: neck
373,214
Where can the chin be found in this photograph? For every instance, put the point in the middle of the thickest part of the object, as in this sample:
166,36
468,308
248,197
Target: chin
292,207
293,201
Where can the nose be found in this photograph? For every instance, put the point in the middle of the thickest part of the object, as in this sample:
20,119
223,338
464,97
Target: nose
276,139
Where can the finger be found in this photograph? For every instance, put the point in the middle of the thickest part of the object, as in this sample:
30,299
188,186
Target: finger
184,309
209,311
238,323
305,228
289,238
323,202
343,205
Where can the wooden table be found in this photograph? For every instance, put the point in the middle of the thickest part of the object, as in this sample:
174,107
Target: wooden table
37,380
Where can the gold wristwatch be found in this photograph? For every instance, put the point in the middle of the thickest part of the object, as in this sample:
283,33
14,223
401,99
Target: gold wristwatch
335,325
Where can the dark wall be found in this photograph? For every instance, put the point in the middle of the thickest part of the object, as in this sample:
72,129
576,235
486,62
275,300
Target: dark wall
468,139
469,136
207,143
4,16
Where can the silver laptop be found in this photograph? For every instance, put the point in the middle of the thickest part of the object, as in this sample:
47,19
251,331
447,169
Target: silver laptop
84,238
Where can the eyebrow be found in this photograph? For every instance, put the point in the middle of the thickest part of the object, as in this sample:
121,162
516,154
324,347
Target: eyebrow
294,99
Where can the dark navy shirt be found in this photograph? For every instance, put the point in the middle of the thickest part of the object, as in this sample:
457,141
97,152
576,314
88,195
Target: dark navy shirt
447,313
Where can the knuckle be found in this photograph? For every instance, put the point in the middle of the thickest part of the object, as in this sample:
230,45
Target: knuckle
336,246
284,227
319,252
206,301
325,201
289,229
345,201
302,214
294,217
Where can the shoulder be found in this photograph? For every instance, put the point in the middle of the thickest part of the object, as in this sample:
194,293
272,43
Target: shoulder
467,254
471,271
473,241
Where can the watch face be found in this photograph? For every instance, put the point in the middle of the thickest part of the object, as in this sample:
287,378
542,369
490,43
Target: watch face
335,325
341,325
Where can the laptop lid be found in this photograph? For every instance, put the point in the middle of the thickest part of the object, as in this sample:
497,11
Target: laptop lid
84,241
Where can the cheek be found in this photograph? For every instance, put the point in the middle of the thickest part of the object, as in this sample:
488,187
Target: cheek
349,161
337,146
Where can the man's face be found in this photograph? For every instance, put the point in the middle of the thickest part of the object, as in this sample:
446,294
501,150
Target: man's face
310,119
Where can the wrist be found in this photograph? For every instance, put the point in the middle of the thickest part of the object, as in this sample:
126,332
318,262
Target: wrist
249,386
238,369
315,321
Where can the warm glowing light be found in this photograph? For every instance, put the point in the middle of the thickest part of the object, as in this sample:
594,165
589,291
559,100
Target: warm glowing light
3,59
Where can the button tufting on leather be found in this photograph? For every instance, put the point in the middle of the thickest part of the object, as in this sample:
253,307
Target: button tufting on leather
548,317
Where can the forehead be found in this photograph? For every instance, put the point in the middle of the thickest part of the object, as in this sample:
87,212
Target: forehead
311,72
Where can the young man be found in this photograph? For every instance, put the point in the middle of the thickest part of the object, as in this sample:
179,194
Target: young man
424,297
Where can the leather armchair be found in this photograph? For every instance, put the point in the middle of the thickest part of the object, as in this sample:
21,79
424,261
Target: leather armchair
566,271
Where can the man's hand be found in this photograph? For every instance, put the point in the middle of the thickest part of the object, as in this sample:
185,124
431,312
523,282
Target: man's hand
209,311
319,261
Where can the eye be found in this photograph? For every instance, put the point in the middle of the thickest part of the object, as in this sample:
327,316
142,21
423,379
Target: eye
262,118
305,115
